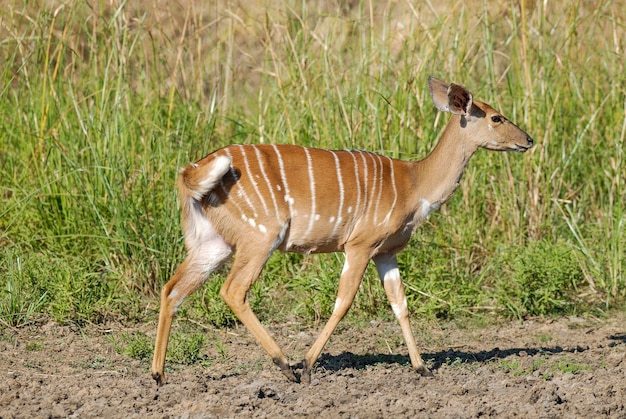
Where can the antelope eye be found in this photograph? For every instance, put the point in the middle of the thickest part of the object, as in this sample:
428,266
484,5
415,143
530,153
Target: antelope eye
496,119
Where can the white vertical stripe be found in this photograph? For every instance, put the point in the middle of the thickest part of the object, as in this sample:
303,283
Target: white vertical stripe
365,181
357,182
251,175
341,194
243,192
283,177
267,181
395,191
374,186
312,218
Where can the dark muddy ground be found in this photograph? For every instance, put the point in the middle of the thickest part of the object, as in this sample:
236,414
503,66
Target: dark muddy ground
570,367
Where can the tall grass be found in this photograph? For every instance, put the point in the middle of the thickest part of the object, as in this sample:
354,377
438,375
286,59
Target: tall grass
101,103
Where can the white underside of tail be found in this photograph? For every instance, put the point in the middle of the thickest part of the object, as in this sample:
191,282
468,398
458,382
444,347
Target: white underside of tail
220,166
204,244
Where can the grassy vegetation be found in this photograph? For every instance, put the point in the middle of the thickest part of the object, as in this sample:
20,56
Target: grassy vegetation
101,103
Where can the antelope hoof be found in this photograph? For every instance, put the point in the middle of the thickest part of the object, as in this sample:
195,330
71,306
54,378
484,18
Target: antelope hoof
286,370
159,378
290,375
424,371
305,378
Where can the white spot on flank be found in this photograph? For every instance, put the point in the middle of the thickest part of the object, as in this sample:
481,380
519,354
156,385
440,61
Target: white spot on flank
331,219
278,188
252,222
262,228
349,210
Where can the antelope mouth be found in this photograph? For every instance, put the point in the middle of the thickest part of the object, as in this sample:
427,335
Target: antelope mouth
521,148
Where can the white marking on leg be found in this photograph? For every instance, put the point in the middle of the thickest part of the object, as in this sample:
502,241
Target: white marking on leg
392,274
346,266
337,304
399,311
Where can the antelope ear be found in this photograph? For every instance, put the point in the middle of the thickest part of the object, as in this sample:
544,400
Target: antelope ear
459,100
450,98
439,93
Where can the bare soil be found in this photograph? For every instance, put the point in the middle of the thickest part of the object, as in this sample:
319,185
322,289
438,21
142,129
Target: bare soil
570,367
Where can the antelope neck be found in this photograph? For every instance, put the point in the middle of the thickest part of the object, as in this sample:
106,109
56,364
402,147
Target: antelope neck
438,175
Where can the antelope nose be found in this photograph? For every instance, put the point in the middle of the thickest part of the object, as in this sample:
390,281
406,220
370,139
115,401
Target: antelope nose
530,141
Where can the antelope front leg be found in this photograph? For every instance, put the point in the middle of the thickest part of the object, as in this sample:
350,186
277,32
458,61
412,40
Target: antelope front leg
387,267
351,277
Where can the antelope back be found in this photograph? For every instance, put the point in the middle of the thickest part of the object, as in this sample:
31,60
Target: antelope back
306,199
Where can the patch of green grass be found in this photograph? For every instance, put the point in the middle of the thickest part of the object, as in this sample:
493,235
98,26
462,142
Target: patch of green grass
548,366
183,348
135,345
543,338
101,105
34,346
545,278
516,368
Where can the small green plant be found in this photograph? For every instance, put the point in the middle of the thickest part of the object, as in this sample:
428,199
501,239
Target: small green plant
456,362
518,368
186,349
569,365
135,345
34,346
545,279
20,300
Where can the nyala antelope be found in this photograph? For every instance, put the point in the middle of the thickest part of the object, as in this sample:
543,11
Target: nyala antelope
255,199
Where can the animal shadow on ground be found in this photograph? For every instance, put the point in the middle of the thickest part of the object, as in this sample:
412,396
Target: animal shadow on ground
438,359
